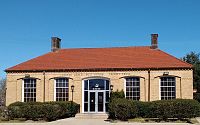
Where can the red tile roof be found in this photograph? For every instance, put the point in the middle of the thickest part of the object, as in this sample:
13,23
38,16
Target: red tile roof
102,58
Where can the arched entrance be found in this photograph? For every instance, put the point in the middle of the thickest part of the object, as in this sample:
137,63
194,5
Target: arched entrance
96,93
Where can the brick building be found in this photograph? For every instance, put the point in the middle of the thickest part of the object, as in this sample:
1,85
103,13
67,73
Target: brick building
144,73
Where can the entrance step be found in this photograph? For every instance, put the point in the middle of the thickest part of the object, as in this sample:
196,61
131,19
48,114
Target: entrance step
91,116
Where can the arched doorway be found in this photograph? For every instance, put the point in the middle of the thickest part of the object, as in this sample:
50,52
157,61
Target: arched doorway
96,93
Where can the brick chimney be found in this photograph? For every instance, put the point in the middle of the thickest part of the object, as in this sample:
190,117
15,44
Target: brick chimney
55,44
154,41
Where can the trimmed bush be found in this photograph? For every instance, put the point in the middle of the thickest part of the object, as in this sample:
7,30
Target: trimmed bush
122,109
164,109
68,109
117,94
196,96
37,110
52,112
3,113
180,108
143,108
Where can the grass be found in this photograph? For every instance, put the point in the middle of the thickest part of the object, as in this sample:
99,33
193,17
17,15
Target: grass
143,120
19,120
140,120
11,121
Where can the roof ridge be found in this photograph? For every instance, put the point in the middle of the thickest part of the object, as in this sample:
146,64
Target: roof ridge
106,47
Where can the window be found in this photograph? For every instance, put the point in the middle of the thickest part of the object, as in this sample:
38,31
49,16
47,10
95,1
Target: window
167,87
29,87
133,88
62,89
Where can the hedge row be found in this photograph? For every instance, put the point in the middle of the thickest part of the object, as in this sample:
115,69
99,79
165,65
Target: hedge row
48,111
123,109
196,96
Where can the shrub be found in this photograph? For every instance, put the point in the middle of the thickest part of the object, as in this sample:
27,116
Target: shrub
117,94
164,109
68,109
3,113
143,108
32,111
196,96
186,108
29,110
37,110
16,111
52,112
122,109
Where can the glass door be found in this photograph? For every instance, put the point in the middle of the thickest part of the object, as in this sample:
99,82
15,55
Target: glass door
96,95
92,104
100,101
97,102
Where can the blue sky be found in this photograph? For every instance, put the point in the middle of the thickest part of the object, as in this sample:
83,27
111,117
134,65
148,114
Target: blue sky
26,26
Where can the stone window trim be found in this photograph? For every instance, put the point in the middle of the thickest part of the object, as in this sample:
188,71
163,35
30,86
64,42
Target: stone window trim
66,98
95,77
172,88
124,77
60,77
33,93
28,78
176,77
167,76
136,87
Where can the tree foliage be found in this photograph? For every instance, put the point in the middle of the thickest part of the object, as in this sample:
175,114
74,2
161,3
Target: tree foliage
194,59
2,91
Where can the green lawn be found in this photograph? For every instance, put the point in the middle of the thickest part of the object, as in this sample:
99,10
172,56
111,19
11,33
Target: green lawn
143,120
2,120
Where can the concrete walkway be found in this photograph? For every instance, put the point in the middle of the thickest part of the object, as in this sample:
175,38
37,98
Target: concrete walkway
73,121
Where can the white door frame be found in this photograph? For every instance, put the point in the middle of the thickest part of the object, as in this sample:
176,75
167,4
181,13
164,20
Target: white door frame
96,97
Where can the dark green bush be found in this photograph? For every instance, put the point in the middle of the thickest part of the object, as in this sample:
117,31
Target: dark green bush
185,108
143,108
196,96
122,109
37,110
117,94
68,109
52,112
3,113
164,109
16,111
29,110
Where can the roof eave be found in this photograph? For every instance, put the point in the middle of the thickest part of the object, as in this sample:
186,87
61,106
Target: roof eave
98,69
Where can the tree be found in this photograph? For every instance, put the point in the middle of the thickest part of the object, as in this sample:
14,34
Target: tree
2,91
193,58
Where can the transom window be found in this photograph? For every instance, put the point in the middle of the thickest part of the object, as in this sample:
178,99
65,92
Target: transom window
29,90
62,89
168,88
133,88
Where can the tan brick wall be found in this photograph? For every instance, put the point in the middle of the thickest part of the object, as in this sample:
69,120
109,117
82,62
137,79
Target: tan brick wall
184,87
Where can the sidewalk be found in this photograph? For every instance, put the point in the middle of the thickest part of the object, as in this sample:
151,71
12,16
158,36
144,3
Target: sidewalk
73,121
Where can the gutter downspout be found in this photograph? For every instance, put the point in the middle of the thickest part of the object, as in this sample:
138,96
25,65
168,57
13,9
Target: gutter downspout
180,89
44,86
149,82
